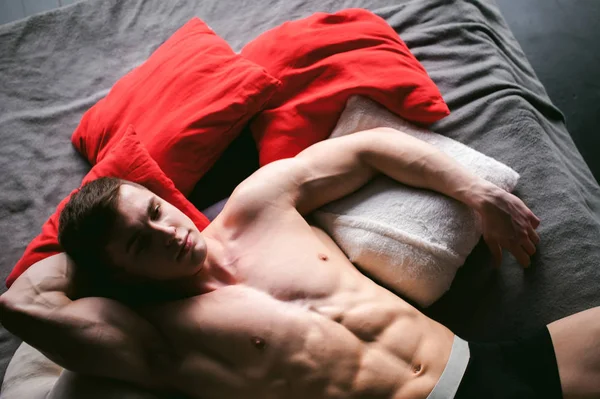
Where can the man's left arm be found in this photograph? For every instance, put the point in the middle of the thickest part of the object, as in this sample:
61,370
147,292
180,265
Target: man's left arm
334,168
88,335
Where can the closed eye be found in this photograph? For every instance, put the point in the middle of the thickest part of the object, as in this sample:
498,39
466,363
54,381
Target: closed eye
142,240
156,212
137,241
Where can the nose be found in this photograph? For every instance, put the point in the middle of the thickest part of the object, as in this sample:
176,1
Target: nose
165,234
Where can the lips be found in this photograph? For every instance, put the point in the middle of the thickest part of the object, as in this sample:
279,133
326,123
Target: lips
186,244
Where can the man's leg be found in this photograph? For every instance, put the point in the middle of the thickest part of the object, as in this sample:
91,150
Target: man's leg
576,341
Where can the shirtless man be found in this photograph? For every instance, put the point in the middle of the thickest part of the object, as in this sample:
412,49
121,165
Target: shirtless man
273,308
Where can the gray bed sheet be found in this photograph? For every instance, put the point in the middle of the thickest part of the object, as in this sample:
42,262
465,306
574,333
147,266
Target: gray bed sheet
56,65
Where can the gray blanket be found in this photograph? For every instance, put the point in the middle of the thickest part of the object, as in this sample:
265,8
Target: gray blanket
55,66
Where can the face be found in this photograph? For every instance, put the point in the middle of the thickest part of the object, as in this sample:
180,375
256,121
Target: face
153,239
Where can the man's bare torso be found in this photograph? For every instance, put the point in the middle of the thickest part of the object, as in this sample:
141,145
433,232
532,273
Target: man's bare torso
298,321
274,309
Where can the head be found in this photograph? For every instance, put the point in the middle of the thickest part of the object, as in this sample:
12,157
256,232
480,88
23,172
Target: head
119,228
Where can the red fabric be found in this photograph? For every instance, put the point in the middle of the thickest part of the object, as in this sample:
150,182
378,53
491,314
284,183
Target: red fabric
188,101
129,160
324,59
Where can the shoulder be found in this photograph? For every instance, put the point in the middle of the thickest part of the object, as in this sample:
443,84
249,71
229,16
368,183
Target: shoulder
281,174
274,187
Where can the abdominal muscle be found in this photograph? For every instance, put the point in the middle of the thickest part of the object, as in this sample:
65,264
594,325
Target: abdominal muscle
331,334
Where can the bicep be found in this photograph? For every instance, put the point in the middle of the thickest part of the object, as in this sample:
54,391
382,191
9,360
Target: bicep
322,173
93,335
332,169
117,342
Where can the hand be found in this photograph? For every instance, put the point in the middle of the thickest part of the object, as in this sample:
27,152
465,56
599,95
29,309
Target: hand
508,223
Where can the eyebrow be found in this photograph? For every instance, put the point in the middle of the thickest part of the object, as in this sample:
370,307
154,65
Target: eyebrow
138,231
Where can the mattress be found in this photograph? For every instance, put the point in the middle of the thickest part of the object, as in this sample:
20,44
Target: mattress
56,65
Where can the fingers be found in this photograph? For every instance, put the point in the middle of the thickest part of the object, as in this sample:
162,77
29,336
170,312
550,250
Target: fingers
528,246
531,238
522,251
534,220
496,251
520,254
523,248
533,235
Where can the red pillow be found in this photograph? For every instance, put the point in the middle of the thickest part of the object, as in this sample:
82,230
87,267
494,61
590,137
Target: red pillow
324,59
129,160
189,100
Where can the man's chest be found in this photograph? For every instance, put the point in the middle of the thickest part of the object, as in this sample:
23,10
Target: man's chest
289,270
294,313
293,261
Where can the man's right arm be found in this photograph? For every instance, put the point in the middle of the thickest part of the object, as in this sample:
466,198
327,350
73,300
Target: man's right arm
93,335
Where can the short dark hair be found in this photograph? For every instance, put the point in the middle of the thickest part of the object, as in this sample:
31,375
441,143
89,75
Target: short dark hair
84,229
86,222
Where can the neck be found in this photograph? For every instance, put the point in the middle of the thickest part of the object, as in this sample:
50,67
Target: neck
216,271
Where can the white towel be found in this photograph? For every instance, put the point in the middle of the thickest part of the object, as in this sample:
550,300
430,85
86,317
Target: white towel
411,240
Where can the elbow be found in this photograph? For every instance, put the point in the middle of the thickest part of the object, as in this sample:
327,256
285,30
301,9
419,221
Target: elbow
7,303
15,308
9,307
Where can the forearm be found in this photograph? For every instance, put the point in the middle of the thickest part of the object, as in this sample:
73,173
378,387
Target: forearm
419,164
94,336
77,339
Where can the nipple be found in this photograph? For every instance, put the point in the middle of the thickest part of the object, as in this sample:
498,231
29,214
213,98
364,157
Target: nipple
258,342
323,256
